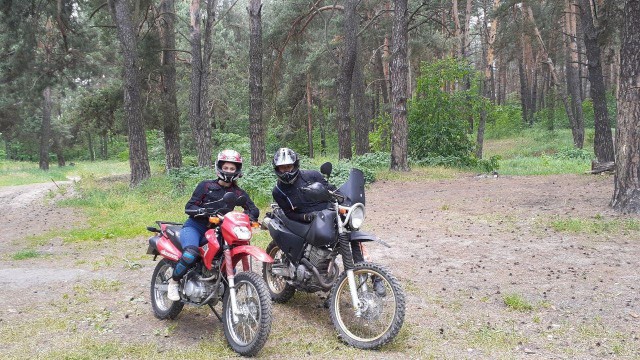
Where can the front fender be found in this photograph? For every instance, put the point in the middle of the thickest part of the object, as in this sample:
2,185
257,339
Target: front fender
361,236
237,253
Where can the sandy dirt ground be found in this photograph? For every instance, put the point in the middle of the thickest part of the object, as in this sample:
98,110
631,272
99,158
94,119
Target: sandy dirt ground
460,247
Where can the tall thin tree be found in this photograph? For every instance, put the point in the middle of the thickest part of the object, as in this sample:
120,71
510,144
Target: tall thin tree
626,194
256,124
345,76
399,70
121,12
171,127
200,65
602,142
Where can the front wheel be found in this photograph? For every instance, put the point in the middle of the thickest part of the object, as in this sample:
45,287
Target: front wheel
280,290
249,334
380,315
163,308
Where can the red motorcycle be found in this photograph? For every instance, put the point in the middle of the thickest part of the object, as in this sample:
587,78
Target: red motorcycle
246,302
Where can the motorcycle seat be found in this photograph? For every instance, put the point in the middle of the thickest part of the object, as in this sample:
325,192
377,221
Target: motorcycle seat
173,233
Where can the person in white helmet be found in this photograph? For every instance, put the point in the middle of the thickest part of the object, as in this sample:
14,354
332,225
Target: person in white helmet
289,197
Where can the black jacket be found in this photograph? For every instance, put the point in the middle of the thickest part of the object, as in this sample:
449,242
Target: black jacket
210,190
292,201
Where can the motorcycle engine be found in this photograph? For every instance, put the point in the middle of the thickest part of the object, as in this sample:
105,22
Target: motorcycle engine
198,290
321,258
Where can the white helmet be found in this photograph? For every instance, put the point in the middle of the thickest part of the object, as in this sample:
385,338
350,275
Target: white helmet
231,156
286,156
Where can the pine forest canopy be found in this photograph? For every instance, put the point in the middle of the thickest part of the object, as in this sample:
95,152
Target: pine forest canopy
175,80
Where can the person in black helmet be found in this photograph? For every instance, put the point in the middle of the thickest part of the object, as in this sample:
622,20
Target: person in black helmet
289,197
228,171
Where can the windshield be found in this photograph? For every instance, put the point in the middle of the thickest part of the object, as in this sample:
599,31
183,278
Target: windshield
353,189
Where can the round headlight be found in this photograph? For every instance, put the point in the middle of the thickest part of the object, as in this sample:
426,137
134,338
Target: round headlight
357,217
242,232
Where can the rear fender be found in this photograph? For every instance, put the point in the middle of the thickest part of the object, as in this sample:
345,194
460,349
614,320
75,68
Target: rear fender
166,248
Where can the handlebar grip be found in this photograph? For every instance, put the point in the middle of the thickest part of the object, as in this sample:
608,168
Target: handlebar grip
193,212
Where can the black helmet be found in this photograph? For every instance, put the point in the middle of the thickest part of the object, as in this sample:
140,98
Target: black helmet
229,156
286,156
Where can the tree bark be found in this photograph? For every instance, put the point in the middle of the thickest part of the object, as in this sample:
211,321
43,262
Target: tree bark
45,129
573,80
602,142
398,70
626,194
382,80
121,11
256,123
197,97
360,110
309,96
171,128
344,79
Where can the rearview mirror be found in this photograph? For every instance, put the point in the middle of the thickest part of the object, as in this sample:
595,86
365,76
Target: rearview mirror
326,169
230,199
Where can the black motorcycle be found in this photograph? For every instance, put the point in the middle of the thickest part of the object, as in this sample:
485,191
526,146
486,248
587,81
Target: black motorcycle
305,259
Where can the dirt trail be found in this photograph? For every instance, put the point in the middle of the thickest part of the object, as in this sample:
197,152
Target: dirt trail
459,247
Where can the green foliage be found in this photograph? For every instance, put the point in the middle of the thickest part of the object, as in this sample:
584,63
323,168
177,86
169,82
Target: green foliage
504,121
380,137
517,302
25,254
596,225
258,181
573,153
438,119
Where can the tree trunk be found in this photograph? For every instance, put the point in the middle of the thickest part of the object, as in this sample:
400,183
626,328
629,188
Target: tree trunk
257,126
344,79
360,110
573,81
92,151
138,155
45,129
199,127
524,93
626,195
309,96
398,70
602,142
382,80
171,129
322,123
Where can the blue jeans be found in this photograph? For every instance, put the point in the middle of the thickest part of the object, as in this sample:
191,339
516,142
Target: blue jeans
191,233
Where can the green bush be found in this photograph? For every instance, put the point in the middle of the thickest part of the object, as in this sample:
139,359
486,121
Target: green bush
438,119
504,121
380,137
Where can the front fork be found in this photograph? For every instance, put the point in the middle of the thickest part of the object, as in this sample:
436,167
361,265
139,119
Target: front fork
347,259
232,283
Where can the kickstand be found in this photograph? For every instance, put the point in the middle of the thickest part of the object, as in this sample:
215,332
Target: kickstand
215,312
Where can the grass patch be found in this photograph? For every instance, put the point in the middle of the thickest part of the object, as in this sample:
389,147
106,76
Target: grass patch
596,225
536,151
419,173
517,302
22,172
489,338
25,254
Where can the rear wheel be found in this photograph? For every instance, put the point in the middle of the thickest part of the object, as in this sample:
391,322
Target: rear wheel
163,308
249,334
279,289
379,317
